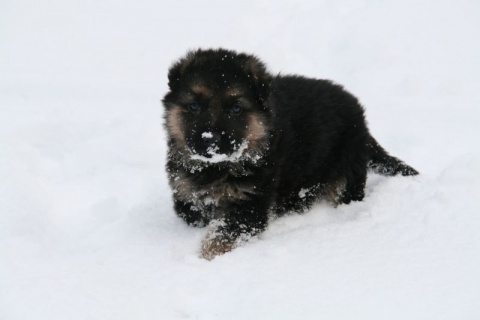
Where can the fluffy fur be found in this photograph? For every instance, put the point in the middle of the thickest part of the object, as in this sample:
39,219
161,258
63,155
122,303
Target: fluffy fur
244,145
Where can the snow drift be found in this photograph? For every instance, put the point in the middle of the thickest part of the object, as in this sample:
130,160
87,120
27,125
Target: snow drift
87,229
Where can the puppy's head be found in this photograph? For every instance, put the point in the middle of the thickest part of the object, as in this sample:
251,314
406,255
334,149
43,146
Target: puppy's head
215,109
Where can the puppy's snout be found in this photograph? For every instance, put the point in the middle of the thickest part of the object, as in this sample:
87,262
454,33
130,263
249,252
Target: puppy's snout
212,138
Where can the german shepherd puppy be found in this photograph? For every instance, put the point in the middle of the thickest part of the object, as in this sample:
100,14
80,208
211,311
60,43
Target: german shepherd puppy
245,145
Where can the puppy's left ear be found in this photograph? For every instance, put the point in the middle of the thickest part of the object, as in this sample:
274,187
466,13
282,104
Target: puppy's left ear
259,76
178,68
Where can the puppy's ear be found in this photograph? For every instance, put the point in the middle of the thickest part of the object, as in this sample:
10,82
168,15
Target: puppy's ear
178,68
259,76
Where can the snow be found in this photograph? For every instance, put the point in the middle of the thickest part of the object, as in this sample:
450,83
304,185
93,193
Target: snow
303,193
87,229
207,135
215,157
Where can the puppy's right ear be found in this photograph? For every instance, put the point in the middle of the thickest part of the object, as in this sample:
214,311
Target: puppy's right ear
178,69
257,71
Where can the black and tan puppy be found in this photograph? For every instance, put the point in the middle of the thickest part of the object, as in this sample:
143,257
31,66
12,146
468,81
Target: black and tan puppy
244,144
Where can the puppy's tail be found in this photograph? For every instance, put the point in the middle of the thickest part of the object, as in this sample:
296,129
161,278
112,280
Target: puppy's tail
383,163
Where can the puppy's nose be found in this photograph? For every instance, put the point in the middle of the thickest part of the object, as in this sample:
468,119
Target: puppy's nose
212,137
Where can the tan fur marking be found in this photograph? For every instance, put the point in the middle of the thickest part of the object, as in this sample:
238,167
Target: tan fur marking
334,191
201,90
216,244
174,125
183,188
222,191
233,92
256,128
217,192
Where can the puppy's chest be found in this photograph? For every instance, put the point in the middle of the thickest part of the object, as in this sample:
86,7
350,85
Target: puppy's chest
217,191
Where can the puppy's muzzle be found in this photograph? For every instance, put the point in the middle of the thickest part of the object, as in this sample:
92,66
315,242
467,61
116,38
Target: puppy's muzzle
211,143
213,139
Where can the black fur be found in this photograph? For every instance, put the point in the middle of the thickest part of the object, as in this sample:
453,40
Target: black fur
244,144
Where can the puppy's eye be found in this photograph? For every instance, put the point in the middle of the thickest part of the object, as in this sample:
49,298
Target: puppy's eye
235,110
194,108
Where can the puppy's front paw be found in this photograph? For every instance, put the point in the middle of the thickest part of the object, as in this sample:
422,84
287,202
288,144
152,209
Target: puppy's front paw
216,244
222,238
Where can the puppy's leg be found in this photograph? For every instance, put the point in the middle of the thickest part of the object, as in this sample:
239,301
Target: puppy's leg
242,220
355,187
190,213
354,166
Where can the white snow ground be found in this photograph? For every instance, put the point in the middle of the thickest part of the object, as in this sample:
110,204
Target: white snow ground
87,229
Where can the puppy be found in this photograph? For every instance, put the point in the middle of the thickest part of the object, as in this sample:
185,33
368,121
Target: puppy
244,145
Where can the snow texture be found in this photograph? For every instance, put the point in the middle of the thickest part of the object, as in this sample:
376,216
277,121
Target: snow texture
215,157
87,229
207,135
